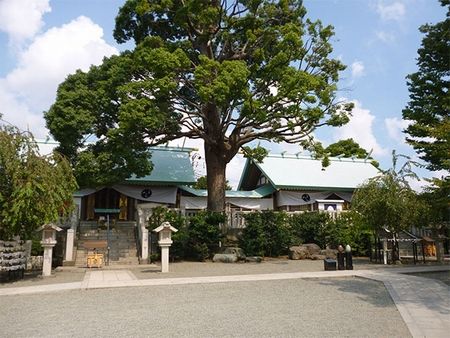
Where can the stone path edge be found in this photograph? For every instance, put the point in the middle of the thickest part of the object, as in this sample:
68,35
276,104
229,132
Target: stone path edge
86,284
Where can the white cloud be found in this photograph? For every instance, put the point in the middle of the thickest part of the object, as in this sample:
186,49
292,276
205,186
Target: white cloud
394,11
386,37
360,128
357,69
55,54
395,127
22,19
31,87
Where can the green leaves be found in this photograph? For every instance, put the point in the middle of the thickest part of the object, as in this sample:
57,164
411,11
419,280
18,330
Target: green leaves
388,202
226,72
429,105
34,189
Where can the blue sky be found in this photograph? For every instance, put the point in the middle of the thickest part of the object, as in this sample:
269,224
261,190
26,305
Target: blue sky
42,41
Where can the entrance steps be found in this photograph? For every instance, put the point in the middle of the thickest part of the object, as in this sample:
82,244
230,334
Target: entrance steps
122,242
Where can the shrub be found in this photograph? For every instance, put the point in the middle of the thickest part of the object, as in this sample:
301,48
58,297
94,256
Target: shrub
204,234
266,234
348,229
180,238
309,227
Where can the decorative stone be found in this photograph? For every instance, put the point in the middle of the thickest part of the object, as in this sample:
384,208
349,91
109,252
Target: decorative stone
317,257
225,258
313,248
328,253
253,259
298,252
236,251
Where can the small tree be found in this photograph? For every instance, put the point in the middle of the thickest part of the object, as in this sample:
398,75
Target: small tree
34,189
387,201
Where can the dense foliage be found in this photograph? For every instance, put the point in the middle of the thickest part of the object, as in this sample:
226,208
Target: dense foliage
226,72
265,234
429,105
348,148
387,203
202,183
310,227
197,238
34,189
271,233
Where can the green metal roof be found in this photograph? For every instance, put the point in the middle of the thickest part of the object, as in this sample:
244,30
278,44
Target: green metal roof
171,166
293,172
260,192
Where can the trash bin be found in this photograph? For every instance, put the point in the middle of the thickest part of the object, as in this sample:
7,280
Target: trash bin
329,264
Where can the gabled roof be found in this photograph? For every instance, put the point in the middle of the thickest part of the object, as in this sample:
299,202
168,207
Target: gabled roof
171,166
293,172
260,192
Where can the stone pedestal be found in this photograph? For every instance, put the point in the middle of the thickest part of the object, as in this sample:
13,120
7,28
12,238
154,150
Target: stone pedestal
164,257
47,263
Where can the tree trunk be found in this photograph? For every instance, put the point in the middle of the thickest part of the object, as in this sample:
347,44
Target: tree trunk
215,174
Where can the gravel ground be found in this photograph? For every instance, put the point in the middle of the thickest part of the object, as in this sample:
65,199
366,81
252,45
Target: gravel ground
350,307
35,278
193,269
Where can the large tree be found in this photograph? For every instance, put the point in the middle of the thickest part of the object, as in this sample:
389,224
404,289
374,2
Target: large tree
429,105
34,189
226,72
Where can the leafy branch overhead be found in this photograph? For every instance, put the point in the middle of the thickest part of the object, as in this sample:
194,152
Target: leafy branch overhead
226,72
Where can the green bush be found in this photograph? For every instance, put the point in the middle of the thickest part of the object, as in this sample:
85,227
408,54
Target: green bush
204,235
266,234
309,227
180,238
348,229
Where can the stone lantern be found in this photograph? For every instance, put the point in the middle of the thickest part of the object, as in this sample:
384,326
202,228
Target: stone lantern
48,242
165,241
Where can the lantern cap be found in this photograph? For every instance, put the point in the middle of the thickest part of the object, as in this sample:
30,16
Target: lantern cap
49,226
165,226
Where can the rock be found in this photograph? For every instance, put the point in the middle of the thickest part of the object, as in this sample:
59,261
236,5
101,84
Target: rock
329,253
225,258
298,252
313,248
318,257
235,251
254,259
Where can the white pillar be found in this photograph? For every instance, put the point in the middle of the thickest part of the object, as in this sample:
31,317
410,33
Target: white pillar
47,266
69,244
144,243
165,258
385,249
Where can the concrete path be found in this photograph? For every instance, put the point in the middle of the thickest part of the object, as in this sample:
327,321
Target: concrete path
423,303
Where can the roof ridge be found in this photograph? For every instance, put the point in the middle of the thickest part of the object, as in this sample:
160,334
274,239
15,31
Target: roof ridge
310,157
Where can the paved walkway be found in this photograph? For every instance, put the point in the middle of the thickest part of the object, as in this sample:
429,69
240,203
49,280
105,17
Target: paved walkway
424,304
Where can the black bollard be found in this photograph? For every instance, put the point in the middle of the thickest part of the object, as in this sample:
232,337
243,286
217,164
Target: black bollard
340,259
348,258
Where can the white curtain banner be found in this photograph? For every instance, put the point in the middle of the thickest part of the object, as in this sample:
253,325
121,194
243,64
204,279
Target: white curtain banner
197,203
148,193
252,203
307,197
